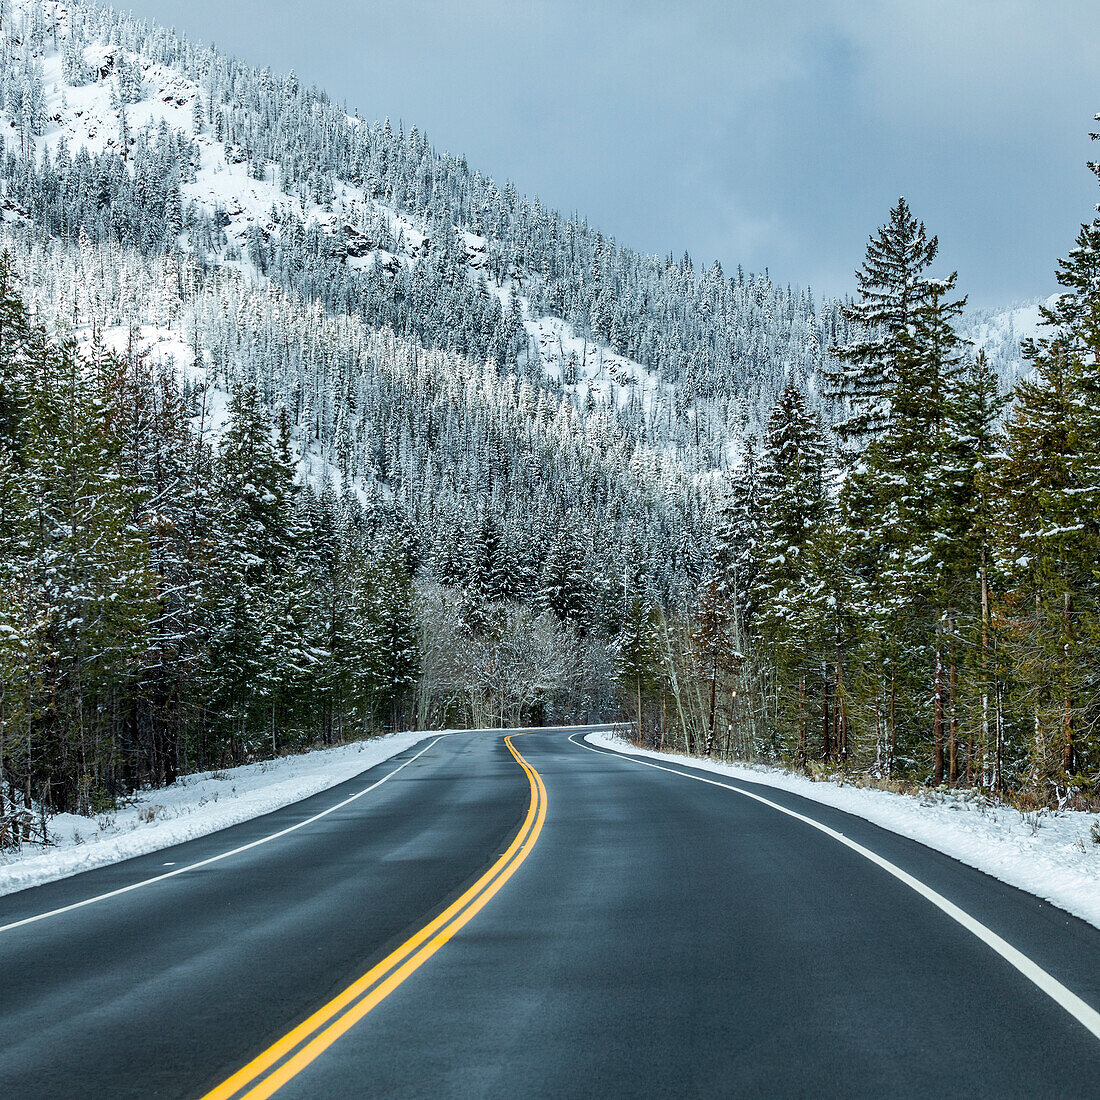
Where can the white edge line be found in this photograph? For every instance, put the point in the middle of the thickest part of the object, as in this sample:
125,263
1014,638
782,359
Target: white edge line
1083,1013
224,855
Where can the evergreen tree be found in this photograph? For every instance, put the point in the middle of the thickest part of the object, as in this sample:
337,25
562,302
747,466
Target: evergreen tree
893,385
1050,542
636,654
566,581
791,616
961,545
257,488
734,559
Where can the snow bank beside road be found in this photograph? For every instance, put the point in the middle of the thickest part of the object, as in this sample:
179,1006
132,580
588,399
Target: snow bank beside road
1052,856
193,806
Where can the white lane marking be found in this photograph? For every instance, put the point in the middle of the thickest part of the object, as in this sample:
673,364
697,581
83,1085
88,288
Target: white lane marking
1083,1013
214,859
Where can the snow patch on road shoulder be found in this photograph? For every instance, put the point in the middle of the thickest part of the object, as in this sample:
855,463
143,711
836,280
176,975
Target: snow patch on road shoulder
193,806
1052,856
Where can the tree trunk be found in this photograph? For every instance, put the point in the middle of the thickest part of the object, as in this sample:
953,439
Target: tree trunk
803,721
995,784
986,778
892,743
713,704
1069,754
952,715
937,722
840,719
729,725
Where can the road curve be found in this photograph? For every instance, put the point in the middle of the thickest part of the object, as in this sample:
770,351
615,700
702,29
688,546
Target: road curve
657,936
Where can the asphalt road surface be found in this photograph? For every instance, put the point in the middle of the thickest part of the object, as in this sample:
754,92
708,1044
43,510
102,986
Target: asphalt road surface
582,926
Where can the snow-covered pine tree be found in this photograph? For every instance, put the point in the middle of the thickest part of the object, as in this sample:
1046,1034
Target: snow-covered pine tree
257,487
961,545
635,651
791,618
891,385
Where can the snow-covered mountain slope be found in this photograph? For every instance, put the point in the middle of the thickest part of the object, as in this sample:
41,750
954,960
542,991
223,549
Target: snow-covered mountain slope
128,96
999,332
82,78
149,186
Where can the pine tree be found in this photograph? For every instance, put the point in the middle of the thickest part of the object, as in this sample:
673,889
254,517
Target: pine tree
789,593
492,574
256,483
961,545
870,373
1049,529
566,581
397,643
635,653
734,560
893,386
87,559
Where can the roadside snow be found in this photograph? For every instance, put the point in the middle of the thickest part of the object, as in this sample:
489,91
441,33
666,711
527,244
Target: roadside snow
193,806
1052,855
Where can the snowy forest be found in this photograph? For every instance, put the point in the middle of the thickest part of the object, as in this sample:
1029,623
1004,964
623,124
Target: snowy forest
309,431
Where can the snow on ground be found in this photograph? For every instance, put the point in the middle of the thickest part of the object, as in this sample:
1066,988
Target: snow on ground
193,806
1051,855
1020,322
590,369
998,333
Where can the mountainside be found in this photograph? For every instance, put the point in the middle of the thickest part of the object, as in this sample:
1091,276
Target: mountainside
189,179
998,333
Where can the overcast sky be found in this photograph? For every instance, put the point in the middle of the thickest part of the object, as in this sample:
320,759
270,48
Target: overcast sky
771,133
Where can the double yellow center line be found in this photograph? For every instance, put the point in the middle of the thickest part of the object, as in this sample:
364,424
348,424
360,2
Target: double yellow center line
272,1069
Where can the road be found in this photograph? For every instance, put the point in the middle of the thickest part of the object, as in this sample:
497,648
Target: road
607,929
